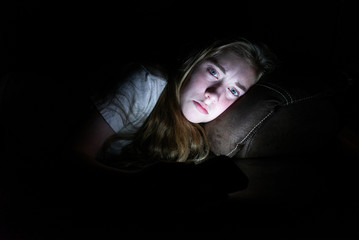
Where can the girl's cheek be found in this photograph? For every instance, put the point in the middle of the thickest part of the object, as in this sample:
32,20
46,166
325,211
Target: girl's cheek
226,103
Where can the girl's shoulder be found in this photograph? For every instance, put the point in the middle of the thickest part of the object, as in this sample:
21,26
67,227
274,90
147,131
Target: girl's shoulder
142,75
155,70
129,79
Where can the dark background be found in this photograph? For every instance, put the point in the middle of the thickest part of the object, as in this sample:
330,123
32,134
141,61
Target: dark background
60,42
63,36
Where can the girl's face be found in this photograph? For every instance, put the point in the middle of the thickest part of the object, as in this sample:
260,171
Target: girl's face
214,85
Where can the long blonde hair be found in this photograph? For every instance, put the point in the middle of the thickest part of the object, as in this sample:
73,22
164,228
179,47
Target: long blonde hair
167,135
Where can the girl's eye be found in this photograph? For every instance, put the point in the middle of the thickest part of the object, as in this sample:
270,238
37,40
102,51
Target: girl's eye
213,72
234,91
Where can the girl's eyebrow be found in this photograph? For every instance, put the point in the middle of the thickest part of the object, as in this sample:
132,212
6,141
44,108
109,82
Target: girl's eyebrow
217,64
241,86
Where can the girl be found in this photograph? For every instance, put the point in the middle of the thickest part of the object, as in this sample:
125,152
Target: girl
154,116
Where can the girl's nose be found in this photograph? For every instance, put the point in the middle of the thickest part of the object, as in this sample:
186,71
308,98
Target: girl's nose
212,95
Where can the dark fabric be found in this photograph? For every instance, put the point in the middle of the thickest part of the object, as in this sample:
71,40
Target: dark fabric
43,184
278,116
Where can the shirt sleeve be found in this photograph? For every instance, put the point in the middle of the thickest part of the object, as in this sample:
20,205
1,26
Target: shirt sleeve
134,100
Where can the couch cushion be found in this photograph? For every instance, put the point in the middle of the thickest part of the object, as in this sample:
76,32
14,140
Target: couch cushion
276,117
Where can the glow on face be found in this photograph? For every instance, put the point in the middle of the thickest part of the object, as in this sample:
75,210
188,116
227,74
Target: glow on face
214,85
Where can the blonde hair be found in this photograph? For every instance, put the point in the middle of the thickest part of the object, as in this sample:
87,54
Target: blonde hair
167,135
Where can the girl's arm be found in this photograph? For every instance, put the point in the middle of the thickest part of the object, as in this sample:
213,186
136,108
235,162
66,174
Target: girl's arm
89,140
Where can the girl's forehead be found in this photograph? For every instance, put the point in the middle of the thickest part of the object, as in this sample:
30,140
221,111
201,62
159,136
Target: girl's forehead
225,59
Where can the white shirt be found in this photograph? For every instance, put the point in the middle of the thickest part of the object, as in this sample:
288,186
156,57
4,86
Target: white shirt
134,100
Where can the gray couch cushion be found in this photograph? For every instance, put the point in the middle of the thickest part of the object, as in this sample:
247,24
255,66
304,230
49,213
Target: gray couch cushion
287,116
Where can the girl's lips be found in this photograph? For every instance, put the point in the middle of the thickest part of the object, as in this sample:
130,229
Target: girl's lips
201,108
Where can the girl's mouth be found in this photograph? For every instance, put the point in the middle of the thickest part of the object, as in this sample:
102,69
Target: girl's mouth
201,108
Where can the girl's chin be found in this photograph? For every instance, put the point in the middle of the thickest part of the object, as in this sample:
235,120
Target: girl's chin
192,119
